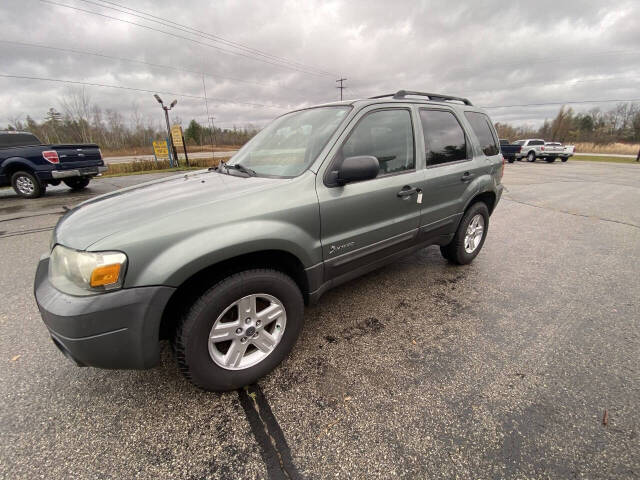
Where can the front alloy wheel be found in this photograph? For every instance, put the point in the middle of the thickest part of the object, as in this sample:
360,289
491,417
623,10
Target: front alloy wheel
239,330
247,331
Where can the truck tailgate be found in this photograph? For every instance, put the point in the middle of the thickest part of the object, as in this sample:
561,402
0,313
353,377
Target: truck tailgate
75,156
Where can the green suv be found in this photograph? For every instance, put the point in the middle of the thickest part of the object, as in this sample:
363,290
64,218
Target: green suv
221,262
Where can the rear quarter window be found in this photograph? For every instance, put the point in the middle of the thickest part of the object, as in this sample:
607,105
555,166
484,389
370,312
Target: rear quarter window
18,139
481,126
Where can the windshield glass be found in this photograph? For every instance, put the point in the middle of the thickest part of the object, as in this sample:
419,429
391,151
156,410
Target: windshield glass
291,143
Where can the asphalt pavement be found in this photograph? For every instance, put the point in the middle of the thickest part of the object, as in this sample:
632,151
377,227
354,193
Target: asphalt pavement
524,364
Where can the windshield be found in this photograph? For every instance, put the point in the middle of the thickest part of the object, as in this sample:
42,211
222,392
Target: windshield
291,143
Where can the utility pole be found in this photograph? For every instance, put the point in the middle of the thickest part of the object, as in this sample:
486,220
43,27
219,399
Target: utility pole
166,117
209,117
341,87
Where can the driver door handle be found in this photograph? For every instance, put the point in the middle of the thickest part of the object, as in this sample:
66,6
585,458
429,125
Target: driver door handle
407,191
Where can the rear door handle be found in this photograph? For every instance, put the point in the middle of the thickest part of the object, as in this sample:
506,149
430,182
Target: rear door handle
407,191
466,176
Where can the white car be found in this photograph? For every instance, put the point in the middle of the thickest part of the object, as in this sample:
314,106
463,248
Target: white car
534,148
567,150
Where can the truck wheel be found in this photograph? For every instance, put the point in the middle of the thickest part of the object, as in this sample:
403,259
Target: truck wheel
511,160
531,157
551,159
77,183
27,185
239,330
564,159
469,238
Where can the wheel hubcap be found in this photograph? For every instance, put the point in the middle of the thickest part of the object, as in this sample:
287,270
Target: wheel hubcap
247,331
474,234
25,185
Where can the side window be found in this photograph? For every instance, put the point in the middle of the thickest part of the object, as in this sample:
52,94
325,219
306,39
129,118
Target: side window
386,135
482,128
443,137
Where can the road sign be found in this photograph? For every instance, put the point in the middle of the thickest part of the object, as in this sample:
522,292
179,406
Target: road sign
160,149
176,135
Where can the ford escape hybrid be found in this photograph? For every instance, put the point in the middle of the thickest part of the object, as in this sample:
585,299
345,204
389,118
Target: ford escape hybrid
221,262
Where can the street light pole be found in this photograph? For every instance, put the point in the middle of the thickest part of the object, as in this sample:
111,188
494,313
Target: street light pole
166,117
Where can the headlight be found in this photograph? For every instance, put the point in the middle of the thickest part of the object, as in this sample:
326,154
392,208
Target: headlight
84,273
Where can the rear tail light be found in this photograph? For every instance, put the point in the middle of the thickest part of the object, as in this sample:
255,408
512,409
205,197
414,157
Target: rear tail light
541,148
51,156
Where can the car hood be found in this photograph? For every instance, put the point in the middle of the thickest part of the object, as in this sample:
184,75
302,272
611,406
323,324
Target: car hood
132,207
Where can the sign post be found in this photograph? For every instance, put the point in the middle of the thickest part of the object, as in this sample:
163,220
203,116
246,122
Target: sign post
178,140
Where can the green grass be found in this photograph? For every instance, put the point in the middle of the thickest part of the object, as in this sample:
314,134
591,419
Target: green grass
145,172
586,158
138,167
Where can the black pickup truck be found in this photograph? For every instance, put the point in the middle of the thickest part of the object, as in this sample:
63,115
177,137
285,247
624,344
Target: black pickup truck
509,151
29,166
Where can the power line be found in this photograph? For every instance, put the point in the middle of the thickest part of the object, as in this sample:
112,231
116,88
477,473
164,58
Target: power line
229,52
564,103
141,62
122,87
217,38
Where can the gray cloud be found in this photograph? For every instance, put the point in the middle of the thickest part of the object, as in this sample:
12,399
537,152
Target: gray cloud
494,52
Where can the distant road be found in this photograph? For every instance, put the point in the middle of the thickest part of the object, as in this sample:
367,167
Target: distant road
228,153
605,155
131,158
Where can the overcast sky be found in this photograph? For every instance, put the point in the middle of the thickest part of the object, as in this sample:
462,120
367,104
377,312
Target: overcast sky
497,53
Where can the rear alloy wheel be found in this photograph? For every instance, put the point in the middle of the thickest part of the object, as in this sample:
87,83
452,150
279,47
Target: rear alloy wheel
27,185
239,330
511,160
564,159
469,238
531,157
77,183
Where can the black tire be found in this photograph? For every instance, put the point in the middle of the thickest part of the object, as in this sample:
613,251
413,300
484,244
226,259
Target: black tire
564,159
77,183
192,336
531,157
455,251
27,185
511,160
551,159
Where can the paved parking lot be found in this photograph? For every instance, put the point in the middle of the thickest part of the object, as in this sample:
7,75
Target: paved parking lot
501,369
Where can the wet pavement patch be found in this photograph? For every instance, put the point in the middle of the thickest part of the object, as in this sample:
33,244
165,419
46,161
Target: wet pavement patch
273,447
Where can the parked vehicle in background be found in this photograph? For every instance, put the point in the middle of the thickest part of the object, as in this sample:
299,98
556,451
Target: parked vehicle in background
534,148
320,196
29,166
567,150
509,151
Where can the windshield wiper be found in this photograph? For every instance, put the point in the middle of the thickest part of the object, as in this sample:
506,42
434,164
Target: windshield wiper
241,168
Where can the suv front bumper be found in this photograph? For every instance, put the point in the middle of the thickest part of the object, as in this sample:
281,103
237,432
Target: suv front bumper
111,330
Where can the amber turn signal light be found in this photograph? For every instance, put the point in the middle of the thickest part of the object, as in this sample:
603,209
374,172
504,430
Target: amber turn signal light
105,275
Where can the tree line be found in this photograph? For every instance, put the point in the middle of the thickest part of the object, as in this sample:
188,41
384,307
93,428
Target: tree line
619,124
82,121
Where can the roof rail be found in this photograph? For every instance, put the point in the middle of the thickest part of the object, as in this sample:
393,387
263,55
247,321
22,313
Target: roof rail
438,97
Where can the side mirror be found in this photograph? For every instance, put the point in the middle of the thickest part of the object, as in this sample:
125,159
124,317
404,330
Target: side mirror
356,169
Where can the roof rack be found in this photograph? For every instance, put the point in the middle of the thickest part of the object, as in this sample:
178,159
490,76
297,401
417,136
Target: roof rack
438,97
